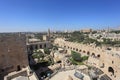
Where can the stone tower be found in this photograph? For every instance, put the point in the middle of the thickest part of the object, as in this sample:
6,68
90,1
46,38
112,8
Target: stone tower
13,53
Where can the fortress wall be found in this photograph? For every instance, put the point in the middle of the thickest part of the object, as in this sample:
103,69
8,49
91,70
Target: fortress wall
97,56
13,53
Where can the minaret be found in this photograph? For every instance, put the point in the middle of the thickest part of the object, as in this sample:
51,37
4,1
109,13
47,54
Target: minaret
49,33
108,29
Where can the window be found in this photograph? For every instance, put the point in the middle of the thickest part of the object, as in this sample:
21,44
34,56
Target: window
76,49
45,45
40,46
79,50
112,62
83,51
18,68
98,56
36,47
88,53
110,69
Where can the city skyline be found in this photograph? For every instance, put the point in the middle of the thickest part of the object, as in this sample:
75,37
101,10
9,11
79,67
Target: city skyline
39,15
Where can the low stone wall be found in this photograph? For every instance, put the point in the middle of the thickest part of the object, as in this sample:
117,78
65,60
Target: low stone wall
11,76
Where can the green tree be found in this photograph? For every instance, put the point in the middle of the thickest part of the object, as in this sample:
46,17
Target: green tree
55,48
84,58
76,56
47,51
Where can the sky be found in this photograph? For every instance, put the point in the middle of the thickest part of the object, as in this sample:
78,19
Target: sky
39,15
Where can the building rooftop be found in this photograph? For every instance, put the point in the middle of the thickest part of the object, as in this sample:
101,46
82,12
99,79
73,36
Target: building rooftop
64,74
24,74
20,78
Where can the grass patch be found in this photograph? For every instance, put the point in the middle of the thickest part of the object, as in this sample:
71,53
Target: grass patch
76,62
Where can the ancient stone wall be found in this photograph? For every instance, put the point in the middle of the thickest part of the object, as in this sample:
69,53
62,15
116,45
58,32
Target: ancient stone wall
13,53
107,60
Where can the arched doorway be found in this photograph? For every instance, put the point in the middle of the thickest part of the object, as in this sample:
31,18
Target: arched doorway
93,54
110,69
68,47
98,55
73,48
40,46
83,51
76,49
18,68
88,53
80,50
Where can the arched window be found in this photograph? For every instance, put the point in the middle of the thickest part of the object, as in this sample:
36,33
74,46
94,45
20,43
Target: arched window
18,68
68,47
80,50
110,69
83,51
98,55
40,46
112,62
88,53
76,49
93,54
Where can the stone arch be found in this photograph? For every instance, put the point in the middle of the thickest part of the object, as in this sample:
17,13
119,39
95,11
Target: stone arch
110,69
84,51
40,46
80,50
73,48
88,53
44,45
112,62
18,68
93,54
98,55
68,47
76,49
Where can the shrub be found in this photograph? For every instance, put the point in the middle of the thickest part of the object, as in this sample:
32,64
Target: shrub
47,51
76,56
84,58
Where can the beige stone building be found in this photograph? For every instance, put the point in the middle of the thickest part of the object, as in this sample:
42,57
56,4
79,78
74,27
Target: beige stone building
38,45
86,30
108,60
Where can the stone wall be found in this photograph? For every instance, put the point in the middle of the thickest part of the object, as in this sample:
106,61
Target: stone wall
98,56
38,45
13,53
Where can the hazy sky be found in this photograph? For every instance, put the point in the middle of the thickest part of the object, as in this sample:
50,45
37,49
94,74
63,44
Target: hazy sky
39,15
